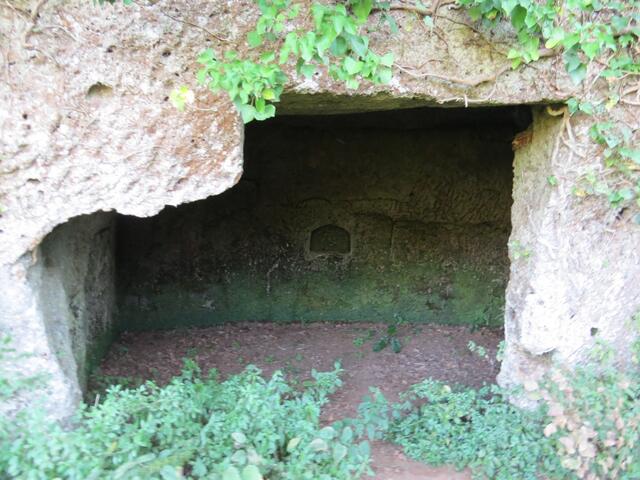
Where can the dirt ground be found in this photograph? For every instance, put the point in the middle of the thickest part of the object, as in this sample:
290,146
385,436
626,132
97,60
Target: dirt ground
435,351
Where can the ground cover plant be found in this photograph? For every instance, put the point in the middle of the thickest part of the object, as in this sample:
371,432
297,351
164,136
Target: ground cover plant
586,424
245,428
248,427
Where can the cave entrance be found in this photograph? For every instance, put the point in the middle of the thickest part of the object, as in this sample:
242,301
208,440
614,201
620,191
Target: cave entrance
376,238
364,217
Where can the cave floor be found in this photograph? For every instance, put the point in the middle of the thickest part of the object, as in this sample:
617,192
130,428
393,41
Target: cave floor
435,351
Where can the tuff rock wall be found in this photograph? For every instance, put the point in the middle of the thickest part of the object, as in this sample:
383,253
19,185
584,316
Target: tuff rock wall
86,126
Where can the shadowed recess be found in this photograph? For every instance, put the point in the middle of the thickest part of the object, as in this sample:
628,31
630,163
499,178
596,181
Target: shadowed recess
358,217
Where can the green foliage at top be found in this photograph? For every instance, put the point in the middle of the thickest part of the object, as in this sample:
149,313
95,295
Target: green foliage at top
334,42
598,40
582,29
618,144
245,428
604,33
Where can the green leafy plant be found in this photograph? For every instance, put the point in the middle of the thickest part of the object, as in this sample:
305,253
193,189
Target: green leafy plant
598,41
245,428
390,337
618,142
335,43
478,429
478,350
518,250
11,381
583,32
594,415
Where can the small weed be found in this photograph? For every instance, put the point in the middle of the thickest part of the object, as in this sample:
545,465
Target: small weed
390,338
363,338
192,352
518,250
478,350
501,351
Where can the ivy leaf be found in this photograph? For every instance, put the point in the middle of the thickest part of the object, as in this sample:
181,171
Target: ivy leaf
268,94
396,346
318,10
352,66
201,76
231,473
385,75
267,57
339,452
508,6
308,70
293,443
380,345
360,45
518,15
574,66
347,435
569,41
573,105
362,9
318,445
206,56
577,75
254,39
475,13
387,59
515,56
555,38
590,49
587,107
306,48
251,472
631,154
247,112
339,21
339,47
619,23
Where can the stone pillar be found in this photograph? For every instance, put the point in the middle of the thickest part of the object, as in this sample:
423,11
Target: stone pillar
575,262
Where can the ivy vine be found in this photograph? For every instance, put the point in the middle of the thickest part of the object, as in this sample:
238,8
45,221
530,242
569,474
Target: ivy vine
334,42
598,41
